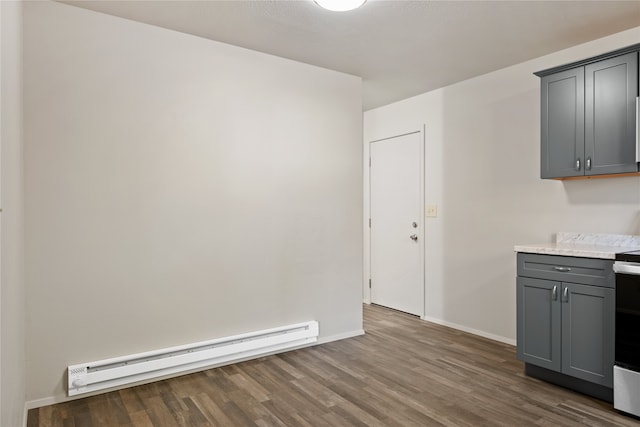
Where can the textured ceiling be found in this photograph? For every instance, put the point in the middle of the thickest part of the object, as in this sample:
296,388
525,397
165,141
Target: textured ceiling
400,48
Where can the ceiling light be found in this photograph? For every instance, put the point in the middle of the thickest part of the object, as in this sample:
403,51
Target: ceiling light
340,5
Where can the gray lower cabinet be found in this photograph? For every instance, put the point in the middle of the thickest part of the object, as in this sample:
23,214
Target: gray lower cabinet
539,323
588,316
564,326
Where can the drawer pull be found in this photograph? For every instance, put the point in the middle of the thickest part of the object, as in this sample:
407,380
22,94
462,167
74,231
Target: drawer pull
563,269
554,293
565,295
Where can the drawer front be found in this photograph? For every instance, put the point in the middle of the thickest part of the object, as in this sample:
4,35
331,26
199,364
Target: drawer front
588,271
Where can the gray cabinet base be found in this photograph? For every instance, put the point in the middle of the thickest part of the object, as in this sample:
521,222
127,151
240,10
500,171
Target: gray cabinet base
575,384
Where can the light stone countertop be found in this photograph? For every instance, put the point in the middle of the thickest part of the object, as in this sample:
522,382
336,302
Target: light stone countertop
585,245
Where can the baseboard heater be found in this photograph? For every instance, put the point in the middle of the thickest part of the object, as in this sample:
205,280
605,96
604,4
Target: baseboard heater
119,371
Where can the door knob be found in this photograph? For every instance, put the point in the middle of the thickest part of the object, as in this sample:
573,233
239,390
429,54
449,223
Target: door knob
414,237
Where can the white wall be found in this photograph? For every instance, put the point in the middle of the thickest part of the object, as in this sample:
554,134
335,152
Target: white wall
483,168
179,189
12,291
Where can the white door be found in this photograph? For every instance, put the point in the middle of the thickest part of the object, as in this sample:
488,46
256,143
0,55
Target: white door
397,223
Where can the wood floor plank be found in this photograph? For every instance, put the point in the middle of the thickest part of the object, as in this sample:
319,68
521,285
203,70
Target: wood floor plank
131,400
402,372
253,387
238,416
107,412
158,412
212,412
140,419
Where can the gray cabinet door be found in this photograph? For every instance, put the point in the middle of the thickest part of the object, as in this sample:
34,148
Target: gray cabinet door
562,124
611,87
588,314
538,324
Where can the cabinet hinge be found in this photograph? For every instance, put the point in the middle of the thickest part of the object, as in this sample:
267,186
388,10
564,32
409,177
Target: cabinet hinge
369,161
369,222
369,283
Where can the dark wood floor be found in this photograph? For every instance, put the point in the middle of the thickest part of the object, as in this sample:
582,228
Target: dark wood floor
403,372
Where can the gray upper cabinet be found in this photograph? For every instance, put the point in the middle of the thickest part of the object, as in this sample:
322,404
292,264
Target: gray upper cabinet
611,87
588,116
562,128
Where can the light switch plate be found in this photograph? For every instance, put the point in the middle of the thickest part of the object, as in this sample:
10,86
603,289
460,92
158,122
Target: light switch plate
431,211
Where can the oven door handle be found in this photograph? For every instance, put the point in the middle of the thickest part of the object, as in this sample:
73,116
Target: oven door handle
620,267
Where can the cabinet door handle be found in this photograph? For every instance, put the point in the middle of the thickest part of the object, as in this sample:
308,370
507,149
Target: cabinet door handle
554,293
578,164
565,295
563,269
588,165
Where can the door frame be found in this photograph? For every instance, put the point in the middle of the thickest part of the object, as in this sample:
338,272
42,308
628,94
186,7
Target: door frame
366,290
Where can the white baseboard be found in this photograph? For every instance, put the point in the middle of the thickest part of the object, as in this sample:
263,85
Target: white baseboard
52,400
46,401
339,337
470,330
